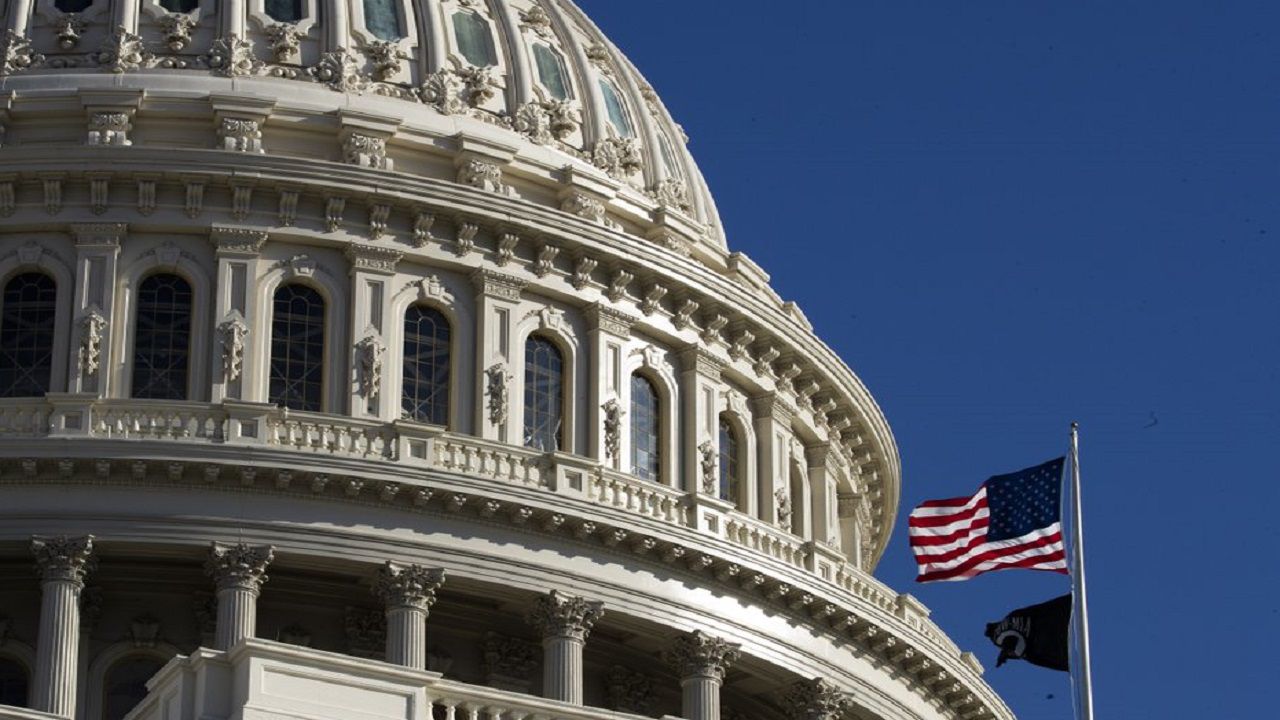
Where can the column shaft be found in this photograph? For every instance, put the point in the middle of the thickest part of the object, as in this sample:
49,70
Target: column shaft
237,616
562,669
701,698
54,689
407,637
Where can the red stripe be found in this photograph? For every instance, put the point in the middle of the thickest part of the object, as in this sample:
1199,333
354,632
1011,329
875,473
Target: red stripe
1024,563
1054,539
925,559
976,527
936,520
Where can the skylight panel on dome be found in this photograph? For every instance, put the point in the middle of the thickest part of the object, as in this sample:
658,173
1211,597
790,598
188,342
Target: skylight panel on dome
475,41
551,72
617,113
382,18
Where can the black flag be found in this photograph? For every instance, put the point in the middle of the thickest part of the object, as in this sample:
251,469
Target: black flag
1037,634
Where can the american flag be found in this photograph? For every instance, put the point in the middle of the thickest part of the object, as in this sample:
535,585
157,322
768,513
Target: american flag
1013,521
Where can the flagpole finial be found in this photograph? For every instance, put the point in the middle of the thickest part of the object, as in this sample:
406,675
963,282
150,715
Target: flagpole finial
1075,425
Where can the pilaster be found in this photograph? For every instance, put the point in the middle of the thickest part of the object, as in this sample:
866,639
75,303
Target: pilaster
564,622
408,592
372,269
772,419
236,250
701,661
62,563
700,386
609,330
97,253
497,298
238,571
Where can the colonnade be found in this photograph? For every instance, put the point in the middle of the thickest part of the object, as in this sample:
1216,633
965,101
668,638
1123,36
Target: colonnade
239,570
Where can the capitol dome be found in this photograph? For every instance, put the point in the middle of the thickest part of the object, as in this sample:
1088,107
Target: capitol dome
386,359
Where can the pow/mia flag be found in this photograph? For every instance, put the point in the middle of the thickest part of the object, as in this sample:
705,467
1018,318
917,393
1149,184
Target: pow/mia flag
1037,634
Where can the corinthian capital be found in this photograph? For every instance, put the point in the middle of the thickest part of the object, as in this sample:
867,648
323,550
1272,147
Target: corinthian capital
239,566
559,615
698,654
816,699
410,586
63,558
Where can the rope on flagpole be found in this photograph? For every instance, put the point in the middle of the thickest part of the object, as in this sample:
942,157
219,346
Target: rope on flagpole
1080,615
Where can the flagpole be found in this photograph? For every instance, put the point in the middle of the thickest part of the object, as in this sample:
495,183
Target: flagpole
1085,681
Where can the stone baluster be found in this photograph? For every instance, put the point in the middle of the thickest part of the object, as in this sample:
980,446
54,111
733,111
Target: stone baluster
62,563
564,622
701,661
408,592
816,699
239,571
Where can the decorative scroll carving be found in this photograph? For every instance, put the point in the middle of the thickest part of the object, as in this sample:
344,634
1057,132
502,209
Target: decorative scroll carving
16,54
62,558
545,262
443,89
478,83
497,379
422,223
369,355
109,128
618,285
92,328
652,299
365,151
584,206
232,56
177,29
708,463
233,334
546,122
507,243
386,57
698,654
619,157
612,427
411,586
144,630
240,135
239,566
559,615
340,70
582,270
482,174
69,28
122,52
672,193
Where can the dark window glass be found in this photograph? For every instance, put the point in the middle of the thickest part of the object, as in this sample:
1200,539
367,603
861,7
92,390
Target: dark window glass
162,338
551,72
383,19
425,395
72,6
729,462
646,450
543,394
284,10
126,685
475,42
180,6
13,683
613,105
297,348
27,315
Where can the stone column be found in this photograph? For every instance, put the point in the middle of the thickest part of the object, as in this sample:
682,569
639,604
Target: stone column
564,622
62,563
816,699
408,592
701,661
239,571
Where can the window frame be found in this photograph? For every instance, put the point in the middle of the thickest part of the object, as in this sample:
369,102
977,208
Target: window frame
567,358
451,355
327,340
58,331
132,340
660,428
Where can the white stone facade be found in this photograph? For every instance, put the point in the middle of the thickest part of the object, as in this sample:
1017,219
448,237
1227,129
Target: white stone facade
242,154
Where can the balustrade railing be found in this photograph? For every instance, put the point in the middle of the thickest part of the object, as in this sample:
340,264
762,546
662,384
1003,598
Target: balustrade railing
768,540
642,497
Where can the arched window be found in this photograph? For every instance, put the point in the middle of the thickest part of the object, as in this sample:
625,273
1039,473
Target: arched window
613,106
551,72
425,395
180,6
162,338
27,316
730,462
283,10
646,426
297,349
382,18
543,394
125,684
475,41
13,682
72,6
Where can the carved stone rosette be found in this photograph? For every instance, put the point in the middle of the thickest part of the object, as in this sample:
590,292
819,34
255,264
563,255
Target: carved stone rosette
557,614
410,586
816,699
239,566
66,559
699,655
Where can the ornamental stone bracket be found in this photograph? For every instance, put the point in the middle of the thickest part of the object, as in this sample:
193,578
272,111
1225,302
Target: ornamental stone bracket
558,614
816,699
698,654
479,162
109,114
239,566
239,121
364,139
408,586
63,559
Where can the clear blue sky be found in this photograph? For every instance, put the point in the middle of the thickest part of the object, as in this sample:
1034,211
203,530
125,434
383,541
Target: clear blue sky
1008,215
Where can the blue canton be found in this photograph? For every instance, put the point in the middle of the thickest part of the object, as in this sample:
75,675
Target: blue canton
1024,501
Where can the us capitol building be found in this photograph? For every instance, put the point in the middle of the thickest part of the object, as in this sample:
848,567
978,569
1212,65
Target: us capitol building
385,360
